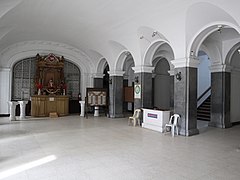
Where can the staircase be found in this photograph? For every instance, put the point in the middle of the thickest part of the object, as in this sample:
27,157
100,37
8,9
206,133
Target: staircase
204,110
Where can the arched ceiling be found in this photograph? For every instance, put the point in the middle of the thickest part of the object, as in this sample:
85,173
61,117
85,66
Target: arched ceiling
92,24
82,24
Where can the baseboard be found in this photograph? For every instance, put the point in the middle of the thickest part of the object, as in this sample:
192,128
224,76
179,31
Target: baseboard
235,123
4,115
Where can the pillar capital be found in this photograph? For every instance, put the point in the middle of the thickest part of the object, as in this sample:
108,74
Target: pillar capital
116,73
141,68
98,75
5,69
220,68
185,62
171,72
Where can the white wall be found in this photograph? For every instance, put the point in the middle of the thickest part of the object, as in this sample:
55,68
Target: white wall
204,75
4,90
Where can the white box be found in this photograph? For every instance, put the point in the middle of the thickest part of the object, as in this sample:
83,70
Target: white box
155,119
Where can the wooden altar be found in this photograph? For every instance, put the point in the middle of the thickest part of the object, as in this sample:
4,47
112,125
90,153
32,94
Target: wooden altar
50,87
43,105
50,75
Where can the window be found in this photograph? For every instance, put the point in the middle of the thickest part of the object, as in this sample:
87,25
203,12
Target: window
23,82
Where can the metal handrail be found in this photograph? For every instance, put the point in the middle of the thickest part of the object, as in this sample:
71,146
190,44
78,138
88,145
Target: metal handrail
205,92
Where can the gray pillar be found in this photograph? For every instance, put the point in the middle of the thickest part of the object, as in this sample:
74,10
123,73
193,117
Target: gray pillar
171,92
116,97
145,80
220,99
98,82
185,100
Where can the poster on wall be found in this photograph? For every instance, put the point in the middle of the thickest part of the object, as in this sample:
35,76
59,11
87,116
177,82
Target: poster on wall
137,91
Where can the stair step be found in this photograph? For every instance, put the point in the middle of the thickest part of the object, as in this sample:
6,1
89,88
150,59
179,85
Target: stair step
203,113
204,108
208,117
203,119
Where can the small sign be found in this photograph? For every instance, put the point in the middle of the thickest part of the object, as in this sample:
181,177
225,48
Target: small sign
137,91
51,99
151,115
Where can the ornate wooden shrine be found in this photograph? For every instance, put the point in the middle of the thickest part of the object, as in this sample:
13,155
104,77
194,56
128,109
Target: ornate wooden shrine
50,87
50,74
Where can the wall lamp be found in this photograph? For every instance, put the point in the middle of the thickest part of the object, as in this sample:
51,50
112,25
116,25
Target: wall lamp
220,27
179,76
136,79
154,33
110,81
192,53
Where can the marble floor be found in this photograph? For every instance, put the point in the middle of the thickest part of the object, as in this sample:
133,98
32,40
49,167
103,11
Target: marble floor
75,148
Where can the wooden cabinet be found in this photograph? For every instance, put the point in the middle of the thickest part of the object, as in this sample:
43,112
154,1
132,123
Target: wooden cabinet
42,105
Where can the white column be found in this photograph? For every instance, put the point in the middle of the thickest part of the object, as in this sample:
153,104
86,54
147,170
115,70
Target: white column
22,109
82,103
12,105
96,111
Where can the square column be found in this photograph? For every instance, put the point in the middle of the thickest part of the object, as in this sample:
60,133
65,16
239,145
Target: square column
172,92
185,99
98,82
116,97
220,99
145,82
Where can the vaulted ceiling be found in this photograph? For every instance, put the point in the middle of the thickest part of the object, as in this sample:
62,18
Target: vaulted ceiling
91,24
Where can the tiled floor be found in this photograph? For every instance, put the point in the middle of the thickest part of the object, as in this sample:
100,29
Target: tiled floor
109,149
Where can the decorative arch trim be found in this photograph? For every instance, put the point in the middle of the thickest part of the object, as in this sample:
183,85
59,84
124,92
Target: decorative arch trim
203,33
27,49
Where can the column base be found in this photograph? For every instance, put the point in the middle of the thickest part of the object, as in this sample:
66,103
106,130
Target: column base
218,125
12,118
22,118
116,115
190,132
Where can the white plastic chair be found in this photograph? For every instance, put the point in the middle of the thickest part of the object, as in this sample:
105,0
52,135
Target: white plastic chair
173,124
135,119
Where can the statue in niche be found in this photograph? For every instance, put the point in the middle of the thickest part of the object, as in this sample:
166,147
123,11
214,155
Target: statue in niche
50,84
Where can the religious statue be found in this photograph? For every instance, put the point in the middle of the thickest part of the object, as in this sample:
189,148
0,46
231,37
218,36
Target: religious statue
50,84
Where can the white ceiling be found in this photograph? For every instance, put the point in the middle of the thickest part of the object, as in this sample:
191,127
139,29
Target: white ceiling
90,24
80,23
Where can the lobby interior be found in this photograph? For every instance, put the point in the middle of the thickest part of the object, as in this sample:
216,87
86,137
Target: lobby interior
177,57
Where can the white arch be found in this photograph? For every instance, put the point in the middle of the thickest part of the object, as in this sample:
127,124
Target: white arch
101,65
231,53
149,55
27,49
121,60
203,33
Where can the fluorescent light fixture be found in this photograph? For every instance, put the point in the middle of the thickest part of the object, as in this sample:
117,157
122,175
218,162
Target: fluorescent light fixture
26,166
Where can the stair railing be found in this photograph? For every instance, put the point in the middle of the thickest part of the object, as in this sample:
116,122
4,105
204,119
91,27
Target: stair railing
203,96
